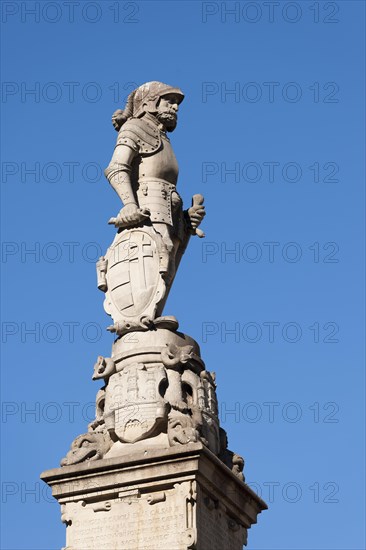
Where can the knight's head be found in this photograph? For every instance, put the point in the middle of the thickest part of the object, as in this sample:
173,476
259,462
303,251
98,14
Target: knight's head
156,98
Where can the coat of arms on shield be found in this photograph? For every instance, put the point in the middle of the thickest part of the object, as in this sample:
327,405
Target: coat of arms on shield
134,406
131,274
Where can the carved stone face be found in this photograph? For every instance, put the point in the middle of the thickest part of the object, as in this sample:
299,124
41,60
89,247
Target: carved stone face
167,111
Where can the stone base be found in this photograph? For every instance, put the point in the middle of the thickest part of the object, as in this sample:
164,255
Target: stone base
175,499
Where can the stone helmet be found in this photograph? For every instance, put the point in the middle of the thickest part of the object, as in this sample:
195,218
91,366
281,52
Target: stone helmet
144,99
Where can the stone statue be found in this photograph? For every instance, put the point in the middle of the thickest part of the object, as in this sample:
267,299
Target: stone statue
137,272
156,390
153,469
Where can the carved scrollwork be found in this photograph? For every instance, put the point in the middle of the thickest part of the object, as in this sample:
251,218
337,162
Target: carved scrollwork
232,460
173,355
103,368
181,429
89,446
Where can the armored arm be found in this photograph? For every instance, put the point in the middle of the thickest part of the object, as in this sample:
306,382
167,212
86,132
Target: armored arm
118,174
119,170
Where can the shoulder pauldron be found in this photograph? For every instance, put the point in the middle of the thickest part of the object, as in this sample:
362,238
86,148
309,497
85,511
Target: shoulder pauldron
145,136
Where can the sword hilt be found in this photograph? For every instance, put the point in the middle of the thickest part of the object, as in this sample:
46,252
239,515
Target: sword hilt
198,200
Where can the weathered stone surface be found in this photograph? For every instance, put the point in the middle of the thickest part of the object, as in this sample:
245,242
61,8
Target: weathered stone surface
178,499
156,387
158,391
153,471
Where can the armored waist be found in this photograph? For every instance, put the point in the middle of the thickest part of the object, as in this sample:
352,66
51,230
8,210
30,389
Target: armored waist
161,197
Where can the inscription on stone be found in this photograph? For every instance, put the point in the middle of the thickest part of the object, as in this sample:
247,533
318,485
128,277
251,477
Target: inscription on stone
129,526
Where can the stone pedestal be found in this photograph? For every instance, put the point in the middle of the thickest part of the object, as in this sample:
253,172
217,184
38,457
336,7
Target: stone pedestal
174,499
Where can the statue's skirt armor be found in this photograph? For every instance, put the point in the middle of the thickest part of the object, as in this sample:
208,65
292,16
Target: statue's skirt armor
161,197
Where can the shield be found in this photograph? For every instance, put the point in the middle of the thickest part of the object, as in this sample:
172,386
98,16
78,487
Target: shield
134,283
134,408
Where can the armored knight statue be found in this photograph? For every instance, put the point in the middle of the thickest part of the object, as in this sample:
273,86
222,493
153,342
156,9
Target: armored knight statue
144,172
157,391
153,469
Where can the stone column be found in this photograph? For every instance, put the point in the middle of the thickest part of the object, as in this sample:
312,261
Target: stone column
153,470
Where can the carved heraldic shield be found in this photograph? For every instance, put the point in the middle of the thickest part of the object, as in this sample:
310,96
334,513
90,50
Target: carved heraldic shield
134,282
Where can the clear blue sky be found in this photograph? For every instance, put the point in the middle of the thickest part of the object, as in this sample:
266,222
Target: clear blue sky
274,94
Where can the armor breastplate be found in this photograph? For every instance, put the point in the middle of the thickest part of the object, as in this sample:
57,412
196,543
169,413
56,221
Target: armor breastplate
162,164
157,178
